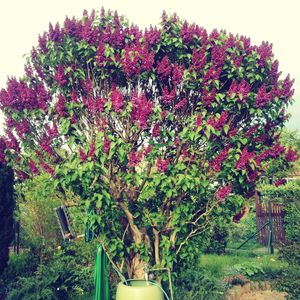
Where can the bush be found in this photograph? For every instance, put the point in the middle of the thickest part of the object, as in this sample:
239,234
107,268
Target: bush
198,285
291,254
291,220
24,264
289,282
67,273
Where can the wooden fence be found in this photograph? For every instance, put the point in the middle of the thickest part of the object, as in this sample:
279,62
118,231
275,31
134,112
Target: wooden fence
262,217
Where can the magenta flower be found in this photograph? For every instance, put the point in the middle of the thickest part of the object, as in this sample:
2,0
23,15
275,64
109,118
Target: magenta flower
198,121
224,192
134,158
213,73
55,33
208,97
167,96
137,59
292,155
152,36
237,217
244,159
11,142
156,130
60,76
217,162
162,165
92,149
177,74
141,110
265,52
43,42
252,175
147,150
233,132
181,104
240,90
218,124
22,128
46,167
184,154
106,146
176,142
164,68
74,97
61,106
73,119
262,156
287,90
218,55
33,167
116,98
262,97
21,175
45,144
82,155
279,182
163,114
198,59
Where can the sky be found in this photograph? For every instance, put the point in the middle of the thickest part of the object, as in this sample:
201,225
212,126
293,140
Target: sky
275,21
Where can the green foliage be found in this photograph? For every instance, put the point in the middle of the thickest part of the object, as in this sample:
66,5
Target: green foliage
66,274
277,168
7,205
248,269
37,198
291,254
23,264
218,239
286,193
198,284
289,282
291,220
239,232
152,136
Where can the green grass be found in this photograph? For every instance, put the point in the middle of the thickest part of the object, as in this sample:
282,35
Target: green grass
222,265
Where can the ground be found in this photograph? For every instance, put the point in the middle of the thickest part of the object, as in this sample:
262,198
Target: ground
264,295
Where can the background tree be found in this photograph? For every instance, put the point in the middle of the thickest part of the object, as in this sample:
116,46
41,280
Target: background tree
7,205
153,129
279,169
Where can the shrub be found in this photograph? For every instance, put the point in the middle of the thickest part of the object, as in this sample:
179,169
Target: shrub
23,264
198,284
69,272
289,282
154,130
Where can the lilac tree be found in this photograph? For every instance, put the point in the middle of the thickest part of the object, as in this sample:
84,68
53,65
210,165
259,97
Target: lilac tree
157,131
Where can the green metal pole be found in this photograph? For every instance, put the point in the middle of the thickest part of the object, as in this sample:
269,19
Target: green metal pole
270,244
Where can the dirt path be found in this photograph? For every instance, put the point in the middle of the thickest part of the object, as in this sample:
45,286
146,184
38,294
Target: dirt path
264,295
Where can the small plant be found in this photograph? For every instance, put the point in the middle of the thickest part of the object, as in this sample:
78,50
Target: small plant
248,268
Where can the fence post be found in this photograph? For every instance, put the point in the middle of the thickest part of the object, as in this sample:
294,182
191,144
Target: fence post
271,237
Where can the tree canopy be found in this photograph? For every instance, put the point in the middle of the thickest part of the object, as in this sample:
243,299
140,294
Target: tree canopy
154,129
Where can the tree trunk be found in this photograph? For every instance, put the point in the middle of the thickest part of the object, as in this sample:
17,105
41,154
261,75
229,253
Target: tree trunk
137,268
